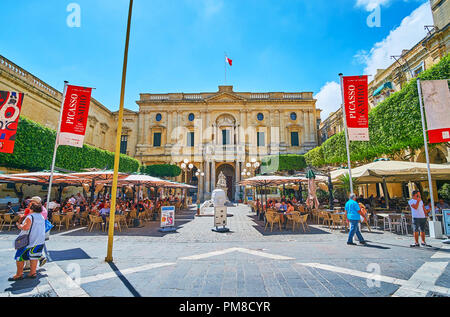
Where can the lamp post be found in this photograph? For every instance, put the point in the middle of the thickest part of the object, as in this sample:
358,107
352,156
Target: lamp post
186,166
250,170
198,174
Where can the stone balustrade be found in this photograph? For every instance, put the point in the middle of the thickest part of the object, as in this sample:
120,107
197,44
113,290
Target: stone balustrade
15,70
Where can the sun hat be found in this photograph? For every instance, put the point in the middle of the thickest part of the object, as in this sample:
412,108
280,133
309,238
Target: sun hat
36,199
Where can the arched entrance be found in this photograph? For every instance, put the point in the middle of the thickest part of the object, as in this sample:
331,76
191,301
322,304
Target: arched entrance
228,171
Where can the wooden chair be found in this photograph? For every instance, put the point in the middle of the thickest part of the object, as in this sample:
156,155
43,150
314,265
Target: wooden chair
9,220
272,218
326,218
68,219
1,221
84,218
336,221
131,216
116,222
95,220
57,221
315,215
304,222
122,220
299,219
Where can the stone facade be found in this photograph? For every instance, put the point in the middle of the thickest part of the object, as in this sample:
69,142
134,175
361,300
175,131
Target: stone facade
222,131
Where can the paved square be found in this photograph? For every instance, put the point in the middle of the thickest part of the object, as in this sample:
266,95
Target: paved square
246,262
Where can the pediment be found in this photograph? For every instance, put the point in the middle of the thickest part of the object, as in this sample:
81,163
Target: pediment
225,97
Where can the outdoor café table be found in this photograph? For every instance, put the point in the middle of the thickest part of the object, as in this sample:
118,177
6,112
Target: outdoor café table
385,216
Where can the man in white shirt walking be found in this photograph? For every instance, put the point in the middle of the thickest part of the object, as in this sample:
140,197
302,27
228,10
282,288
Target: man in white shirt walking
419,218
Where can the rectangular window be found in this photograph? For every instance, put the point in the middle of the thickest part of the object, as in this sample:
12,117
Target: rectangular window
190,139
294,139
157,139
419,69
123,144
261,139
226,136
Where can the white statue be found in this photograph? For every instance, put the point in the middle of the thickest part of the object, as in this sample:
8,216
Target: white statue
219,198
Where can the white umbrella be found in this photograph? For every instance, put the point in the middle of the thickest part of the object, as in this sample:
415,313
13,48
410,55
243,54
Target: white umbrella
394,171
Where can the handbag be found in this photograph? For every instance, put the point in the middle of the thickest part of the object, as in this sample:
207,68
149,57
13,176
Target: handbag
23,240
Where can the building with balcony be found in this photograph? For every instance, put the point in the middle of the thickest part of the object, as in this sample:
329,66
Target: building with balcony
221,131
411,62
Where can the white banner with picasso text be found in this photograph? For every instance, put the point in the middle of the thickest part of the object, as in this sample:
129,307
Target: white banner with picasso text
436,100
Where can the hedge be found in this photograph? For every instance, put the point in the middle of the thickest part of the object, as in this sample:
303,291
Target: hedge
286,162
394,125
161,170
34,146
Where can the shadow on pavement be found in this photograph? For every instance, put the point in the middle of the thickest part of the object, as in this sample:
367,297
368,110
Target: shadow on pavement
25,285
124,280
66,255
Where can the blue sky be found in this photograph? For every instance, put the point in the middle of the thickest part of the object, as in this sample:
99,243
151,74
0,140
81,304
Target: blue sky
179,45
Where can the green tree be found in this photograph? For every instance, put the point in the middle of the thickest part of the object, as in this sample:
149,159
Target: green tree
34,151
444,192
161,170
344,183
394,126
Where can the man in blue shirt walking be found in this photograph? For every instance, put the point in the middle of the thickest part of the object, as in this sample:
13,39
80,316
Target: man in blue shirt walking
354,214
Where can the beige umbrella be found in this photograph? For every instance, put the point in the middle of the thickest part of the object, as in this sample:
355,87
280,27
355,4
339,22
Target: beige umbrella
44,176
12,179
394,171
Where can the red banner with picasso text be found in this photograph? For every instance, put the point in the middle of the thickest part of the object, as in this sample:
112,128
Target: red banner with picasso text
357,107
10,106
74,116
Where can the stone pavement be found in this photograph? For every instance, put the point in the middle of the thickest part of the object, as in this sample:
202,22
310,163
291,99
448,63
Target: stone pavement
246,262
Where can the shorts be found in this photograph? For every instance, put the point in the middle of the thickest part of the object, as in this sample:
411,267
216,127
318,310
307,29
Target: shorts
31,253
418,224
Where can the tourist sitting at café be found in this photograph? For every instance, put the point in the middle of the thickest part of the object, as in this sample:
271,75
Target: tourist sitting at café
441,205
290,207
9,209
68,207
104,212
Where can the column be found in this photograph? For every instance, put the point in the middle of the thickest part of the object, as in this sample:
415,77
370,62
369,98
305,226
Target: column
207,177
269,130
306,125
213,175
140,130
242,129
312,127
236,179
169,127
178,114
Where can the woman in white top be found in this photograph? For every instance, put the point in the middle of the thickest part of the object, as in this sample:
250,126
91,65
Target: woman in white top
34,224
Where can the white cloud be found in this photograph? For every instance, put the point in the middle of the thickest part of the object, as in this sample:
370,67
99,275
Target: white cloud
329,99
405,36
370,5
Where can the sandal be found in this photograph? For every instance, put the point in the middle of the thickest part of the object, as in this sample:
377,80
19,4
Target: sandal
14,279
414,245
32,276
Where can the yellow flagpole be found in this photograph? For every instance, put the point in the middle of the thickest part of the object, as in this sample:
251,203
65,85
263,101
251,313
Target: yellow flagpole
112,213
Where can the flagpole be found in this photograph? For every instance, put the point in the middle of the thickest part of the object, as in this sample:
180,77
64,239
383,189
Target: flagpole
347,143
52,169
225,63
425,141
112,212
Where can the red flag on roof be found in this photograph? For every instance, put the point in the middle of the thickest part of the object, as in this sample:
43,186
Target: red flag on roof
229,61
